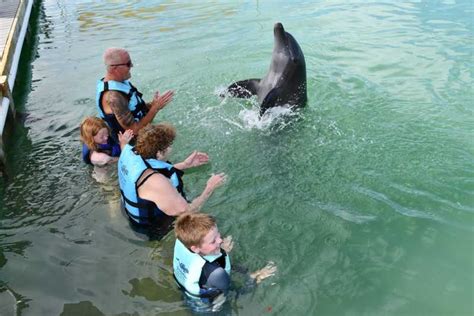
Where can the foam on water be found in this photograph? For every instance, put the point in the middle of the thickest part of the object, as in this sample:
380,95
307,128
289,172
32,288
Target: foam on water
220,90
251,117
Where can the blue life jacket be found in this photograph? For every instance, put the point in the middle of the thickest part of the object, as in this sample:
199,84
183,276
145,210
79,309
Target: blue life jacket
136,104
111,148
189,267
131,167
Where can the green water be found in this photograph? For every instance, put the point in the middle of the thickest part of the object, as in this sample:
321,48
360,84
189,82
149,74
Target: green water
364,199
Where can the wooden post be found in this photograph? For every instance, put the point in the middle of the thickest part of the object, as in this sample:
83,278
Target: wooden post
7,110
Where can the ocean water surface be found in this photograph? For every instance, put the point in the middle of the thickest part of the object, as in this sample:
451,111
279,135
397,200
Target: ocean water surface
364,199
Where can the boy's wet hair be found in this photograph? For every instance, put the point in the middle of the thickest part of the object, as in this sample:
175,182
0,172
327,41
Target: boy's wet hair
191,228
154,138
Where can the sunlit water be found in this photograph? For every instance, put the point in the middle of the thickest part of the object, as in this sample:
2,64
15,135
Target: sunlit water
363,199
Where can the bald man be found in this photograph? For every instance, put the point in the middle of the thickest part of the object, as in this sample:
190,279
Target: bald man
119,103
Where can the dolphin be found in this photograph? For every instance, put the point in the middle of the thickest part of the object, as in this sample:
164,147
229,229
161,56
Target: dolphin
285,82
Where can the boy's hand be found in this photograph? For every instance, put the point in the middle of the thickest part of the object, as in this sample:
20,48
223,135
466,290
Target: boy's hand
227,244
264,273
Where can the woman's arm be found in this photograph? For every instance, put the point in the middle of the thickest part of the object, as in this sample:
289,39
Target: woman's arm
158,189
195,159
215,181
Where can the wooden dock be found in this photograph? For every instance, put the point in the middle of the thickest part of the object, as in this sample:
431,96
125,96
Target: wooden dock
14,18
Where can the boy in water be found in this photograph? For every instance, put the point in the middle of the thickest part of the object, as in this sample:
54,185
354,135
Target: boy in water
201,262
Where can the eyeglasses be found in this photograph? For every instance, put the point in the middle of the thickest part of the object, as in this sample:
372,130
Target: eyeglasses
128,64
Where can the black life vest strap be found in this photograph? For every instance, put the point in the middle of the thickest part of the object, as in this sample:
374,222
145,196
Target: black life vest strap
211,293
169,173
146,178
134,204
133,89
146,206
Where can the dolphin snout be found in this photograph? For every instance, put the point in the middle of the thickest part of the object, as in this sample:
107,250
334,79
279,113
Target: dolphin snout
279,33
278,27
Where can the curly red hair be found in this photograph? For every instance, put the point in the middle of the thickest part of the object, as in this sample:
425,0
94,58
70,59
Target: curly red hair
154,138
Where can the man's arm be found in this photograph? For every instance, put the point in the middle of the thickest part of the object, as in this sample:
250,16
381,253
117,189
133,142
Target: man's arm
161,100
118,104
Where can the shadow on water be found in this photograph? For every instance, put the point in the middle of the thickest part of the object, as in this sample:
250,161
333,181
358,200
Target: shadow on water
83,308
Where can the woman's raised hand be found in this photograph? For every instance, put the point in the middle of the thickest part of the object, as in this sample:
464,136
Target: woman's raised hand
197,158
216,180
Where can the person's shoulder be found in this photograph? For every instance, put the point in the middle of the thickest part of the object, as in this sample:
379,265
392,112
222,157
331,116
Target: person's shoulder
114,93
114,97
155,179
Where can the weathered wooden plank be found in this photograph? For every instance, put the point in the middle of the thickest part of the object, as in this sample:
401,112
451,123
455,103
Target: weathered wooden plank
8,9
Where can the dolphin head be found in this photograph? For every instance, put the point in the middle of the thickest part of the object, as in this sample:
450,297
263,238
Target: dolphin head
286,44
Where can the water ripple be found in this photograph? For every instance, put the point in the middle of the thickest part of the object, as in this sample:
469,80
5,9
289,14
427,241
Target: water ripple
346,214
378,196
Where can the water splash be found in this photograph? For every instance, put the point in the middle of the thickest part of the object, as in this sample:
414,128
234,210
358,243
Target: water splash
249,118
221,91
274,116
